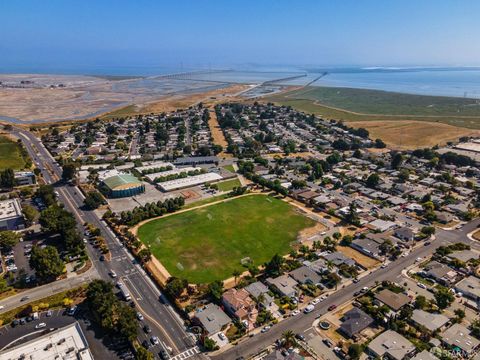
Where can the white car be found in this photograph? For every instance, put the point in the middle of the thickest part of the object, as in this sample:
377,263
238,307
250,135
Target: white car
222,336
266,328
113,274
315,301
421,286
139,316
295,312
40,326
309,309
384,265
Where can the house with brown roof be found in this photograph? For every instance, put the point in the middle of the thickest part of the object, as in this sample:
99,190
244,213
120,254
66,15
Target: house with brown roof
239,304
393,300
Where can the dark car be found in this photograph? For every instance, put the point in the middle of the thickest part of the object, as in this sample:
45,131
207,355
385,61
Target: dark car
327,342
356,293
147,329
22,321
25,298
332,307
163,354
300,337
102,258
146,344
15,323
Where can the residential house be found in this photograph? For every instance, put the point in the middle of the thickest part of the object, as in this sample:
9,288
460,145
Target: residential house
404,233
458,336
305,275
390,345
441,273
211,318
424,355
337,258
284,285
355,321
469,287
239,304
430,321
256,289
393,300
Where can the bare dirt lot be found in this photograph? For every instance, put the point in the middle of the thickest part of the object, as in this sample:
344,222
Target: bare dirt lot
363,260
413,134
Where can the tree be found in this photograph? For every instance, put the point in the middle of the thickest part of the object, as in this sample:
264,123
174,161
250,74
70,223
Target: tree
274,267
145,255
420,302
236,273
8,239
379,144
209,344
289,337
397,160
46,262
352,215
143,354
68,171
30,214
126,324
215,290
443,297
175,287
373,180
460,315
355,350
7,179
93,200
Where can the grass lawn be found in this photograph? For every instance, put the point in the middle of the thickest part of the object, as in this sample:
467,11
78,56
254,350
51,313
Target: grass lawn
229,168
10,154
229,184
361,104
208,244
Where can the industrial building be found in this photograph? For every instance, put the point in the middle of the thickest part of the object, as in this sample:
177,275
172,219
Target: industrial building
11,217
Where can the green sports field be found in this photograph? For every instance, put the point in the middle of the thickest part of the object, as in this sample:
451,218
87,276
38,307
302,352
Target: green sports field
10,154
208,244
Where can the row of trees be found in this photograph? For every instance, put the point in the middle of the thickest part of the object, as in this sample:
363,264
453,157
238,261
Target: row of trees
151,210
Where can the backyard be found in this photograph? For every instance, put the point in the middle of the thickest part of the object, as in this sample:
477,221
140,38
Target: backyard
209,244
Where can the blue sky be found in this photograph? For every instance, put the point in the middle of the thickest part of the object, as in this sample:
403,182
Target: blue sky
59,34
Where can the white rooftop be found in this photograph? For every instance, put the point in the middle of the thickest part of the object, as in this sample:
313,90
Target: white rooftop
67,343
10,209
189,181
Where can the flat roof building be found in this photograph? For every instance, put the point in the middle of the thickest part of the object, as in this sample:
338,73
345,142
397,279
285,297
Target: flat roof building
189,181
67,342
11,217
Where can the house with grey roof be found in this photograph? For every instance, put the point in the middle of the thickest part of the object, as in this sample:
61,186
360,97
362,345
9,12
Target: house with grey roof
256,289
284,285
381,225
430,321
404,233
469,287
211,318
305,275
441,273
391,345
319,266
424,355
458,336
367,246
355,321
338,258
464,255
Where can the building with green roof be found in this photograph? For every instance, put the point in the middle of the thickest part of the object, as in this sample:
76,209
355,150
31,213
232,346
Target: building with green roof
122,185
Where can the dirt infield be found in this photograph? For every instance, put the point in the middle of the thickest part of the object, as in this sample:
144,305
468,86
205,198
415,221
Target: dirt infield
217,134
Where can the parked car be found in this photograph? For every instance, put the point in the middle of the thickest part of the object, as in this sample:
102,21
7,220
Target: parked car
154,340
147,329
309,309
72,310
327,342
40,326
139,316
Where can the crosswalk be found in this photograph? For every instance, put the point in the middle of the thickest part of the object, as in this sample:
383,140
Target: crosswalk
186,354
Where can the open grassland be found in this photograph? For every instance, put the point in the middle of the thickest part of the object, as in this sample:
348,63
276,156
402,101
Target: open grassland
373,105
413,134
208,244
10,154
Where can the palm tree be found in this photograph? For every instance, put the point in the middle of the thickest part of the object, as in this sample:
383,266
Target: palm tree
329,264
236,274
289,337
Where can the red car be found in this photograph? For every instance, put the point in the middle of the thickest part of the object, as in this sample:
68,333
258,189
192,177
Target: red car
332,307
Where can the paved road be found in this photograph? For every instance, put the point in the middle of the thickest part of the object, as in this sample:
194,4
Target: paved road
303,322
43,291
166,323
